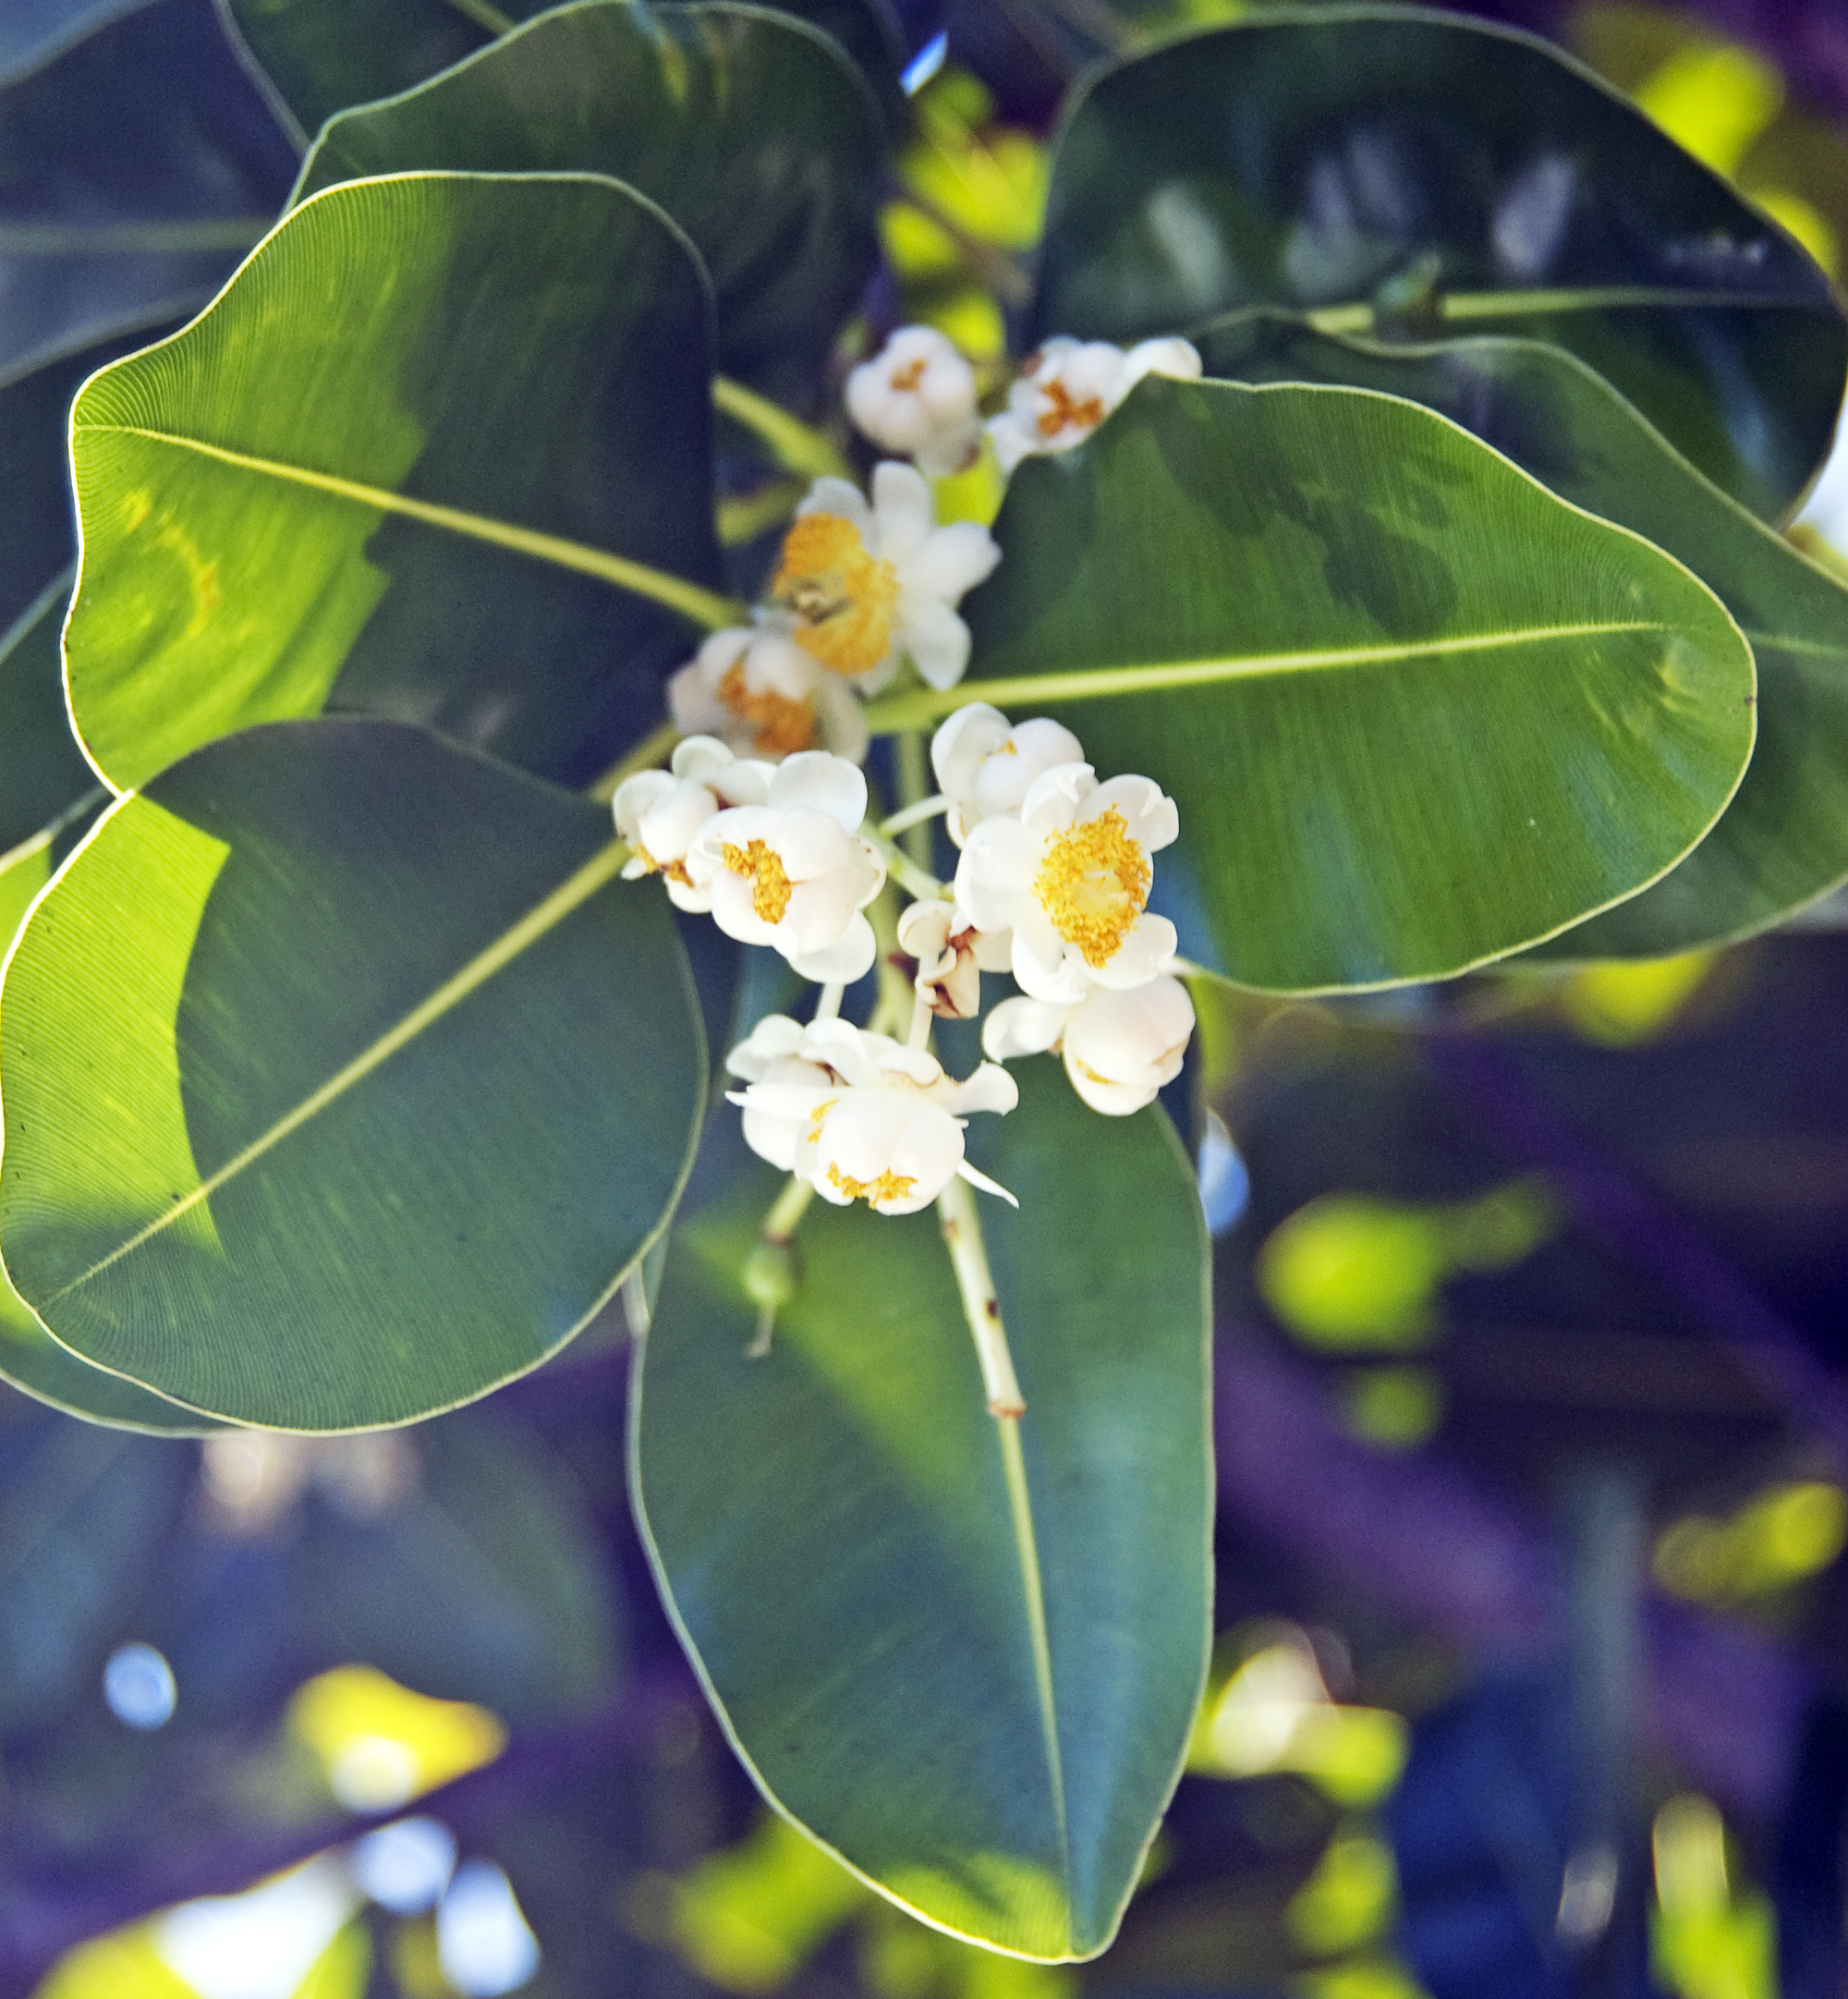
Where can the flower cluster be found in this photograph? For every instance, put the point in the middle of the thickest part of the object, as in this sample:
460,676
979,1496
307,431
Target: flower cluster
761,819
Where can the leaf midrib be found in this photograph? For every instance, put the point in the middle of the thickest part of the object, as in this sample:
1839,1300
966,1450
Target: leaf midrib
690,600
1097,683
544,915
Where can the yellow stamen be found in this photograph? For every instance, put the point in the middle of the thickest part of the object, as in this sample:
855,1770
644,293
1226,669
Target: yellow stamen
779,726
819,1116
673,870
1061,411
911,374
888,1187
842,600
1094,883
770,887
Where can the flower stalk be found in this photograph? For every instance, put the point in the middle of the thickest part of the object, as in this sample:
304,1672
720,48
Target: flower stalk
981,1303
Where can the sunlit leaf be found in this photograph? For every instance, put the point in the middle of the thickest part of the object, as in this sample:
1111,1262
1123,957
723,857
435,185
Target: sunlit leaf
135,169
751,130
1372,169
305,498
832,1524
340,1084
1784,838
1414,711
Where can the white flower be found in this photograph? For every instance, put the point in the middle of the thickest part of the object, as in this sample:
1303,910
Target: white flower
1069,388
759,692
793,872
1120,1048
659,812
985,767
952,955
859,1115
861,587
1070,877
916,398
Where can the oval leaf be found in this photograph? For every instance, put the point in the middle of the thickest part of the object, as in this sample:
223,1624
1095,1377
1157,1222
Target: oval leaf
753,132
1416,711
307,497
1784,840
34,1363
834,1531
135,170
338,1087
1381,167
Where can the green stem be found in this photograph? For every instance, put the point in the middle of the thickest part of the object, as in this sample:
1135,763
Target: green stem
743,518
485,15
796,445
981,1303
902,868
914,785
655,748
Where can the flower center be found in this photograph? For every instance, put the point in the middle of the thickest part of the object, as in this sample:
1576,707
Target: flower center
674,870
1061,412
763,870
779,726
1094,883
888,1187
911,374
842,600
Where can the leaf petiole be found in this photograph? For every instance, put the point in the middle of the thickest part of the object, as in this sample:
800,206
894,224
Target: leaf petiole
981,1303
796,445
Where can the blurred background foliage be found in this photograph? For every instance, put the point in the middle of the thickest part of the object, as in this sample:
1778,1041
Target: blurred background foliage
1532,1297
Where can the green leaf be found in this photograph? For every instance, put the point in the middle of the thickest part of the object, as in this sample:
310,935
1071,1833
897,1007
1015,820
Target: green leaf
136,167
409,462
752,130
1380,168
321,55
833,1528
41,770
1416,711
1784,840
339,1086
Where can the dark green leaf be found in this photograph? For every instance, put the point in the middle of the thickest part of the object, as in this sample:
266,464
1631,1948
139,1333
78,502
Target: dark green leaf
1416,711
135,170
832,1525
750,130
1391,168
523,355
339,1089
33,1361
1784,840
41,770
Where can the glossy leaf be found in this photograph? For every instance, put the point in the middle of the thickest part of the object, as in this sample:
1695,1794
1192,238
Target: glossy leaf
833,1527
35,1362
41,770
1784,840
522,356
750,130
339,1088
324,56
1414,711
1387,169
135,170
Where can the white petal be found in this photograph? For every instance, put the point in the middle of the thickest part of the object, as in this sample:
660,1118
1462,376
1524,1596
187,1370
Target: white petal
744,782
924,928
1014,438
1113,1099
993,949
839,496
842,719
988,1088
775,1038
979,1179
994,877
1150,817
768,1136
1147,951
696,901
733,910
849,958
1053,798
634,796
936,639
953,560
951,449
1174,357
902,510
774,664
1023,1027
824,783
963,740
